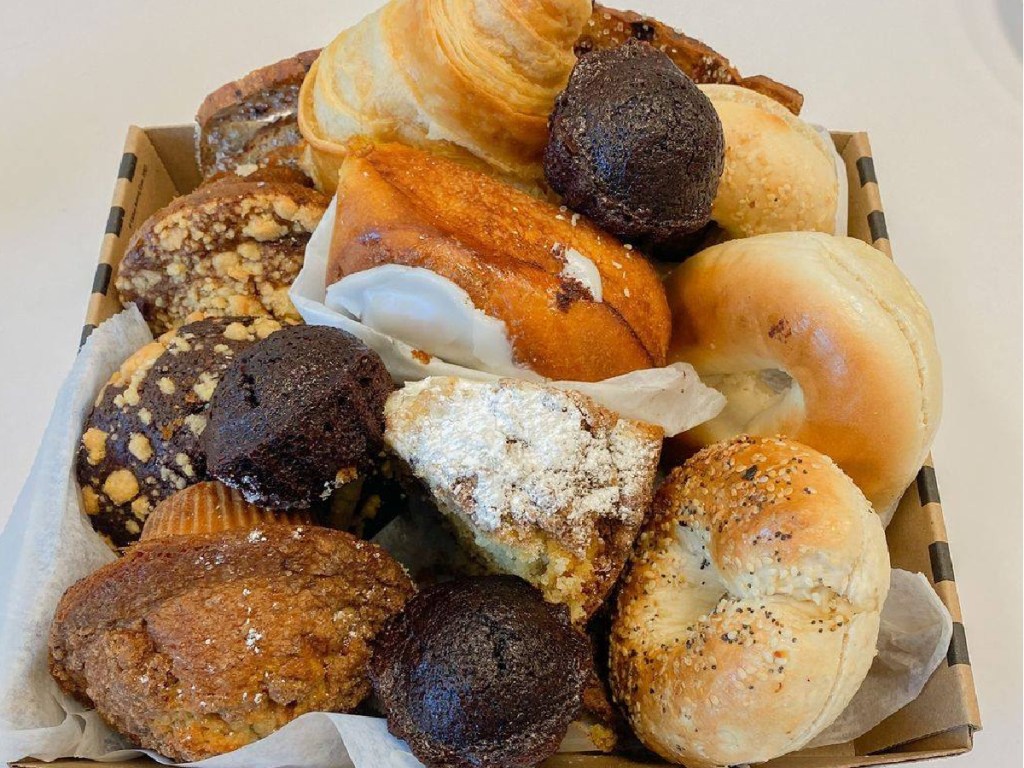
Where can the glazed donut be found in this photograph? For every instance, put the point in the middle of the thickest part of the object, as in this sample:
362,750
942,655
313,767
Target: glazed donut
780,174
818,338
750,613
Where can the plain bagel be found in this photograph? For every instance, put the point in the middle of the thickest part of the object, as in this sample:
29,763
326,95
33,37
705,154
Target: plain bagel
818,338
750,613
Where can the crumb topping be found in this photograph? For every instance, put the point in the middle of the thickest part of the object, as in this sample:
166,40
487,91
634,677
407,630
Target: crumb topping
230,249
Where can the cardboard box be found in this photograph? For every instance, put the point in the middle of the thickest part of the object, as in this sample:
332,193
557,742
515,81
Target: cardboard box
159,164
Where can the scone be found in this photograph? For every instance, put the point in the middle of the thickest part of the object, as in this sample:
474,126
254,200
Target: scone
539,482
230,248
201,641
141,441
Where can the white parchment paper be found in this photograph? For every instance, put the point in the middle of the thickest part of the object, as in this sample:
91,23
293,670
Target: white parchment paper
672,397
48,544
914,636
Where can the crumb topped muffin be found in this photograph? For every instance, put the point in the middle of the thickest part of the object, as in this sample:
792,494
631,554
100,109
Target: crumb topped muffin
141,442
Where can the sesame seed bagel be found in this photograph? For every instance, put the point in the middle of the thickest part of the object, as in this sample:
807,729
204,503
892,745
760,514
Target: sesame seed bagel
818,338
750,613
780,174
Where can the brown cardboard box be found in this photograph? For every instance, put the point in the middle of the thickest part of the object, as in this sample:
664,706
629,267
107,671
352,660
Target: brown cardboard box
159,163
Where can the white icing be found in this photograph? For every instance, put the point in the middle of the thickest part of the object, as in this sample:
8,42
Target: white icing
583,270
426,311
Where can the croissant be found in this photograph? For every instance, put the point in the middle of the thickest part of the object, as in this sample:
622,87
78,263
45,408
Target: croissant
473,77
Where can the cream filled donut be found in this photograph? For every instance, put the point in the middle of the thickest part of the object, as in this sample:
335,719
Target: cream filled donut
819,338
750,613
780,174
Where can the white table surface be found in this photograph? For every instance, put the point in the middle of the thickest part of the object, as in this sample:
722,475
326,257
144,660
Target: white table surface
937,84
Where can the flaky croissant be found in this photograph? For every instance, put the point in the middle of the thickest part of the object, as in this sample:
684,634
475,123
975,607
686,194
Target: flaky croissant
478,75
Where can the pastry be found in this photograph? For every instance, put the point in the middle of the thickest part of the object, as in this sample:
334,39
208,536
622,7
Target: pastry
564,299
230,248
539,482
252,121
479,76
141,441
200,643
609,28
480,672
750,613
819,338
297,416
780,174
635,145
210,507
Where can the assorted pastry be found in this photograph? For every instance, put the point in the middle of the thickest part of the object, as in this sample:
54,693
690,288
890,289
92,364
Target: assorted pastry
540,193
223,623
231,247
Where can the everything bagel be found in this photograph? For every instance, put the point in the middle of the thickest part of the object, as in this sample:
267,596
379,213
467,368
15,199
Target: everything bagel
750,613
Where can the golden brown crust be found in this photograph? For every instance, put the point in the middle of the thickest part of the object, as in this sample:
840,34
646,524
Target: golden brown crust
482,76
399,205
212,507
750,612
819,338
609,28
197,645
232,247
253,119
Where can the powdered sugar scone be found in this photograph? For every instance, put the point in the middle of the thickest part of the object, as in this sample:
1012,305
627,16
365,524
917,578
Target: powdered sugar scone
538,482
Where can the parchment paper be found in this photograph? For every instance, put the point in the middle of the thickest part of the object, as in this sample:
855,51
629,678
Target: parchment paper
672,397
48,544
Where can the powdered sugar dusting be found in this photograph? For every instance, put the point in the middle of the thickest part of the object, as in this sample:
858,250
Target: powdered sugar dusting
517,454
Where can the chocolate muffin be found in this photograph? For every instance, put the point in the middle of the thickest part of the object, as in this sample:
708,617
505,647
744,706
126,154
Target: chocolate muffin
480,672
298,415
142,440
635,146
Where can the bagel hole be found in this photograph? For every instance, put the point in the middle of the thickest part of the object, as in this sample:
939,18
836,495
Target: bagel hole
754,398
